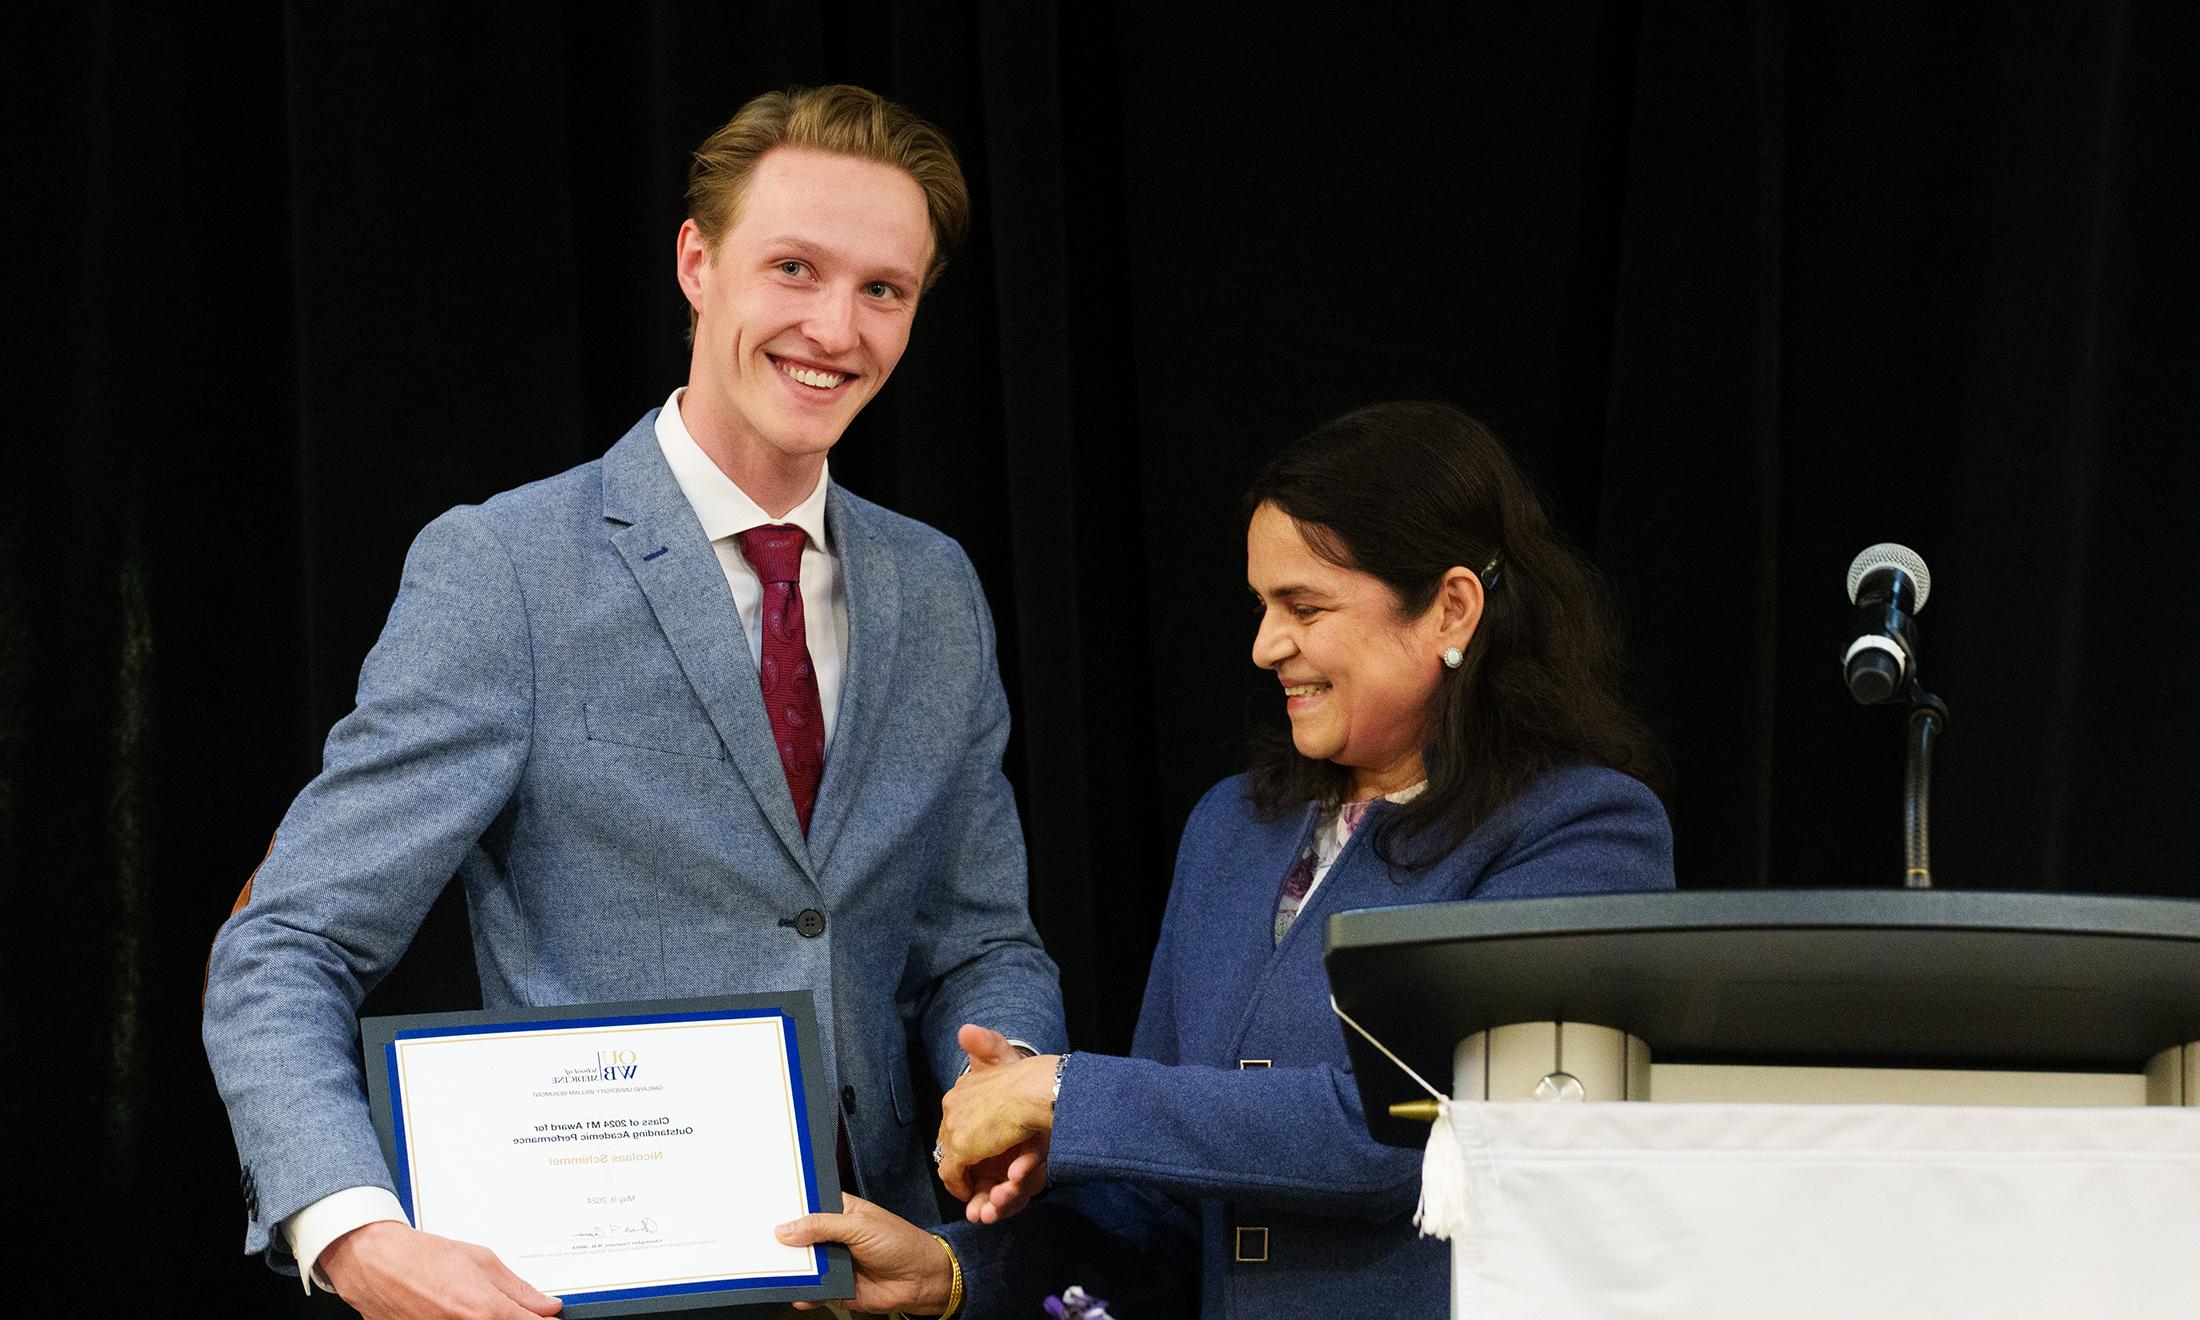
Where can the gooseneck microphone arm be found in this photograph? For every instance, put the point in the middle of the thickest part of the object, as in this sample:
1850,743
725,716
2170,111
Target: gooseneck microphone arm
1928,715
1889,584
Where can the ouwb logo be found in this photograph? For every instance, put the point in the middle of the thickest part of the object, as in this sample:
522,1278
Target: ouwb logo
613,1065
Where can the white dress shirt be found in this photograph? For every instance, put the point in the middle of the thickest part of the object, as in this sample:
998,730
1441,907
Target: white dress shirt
725,510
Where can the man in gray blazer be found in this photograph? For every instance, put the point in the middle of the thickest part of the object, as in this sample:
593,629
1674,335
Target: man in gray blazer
686,720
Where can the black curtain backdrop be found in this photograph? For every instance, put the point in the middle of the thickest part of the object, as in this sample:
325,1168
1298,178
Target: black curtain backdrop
1746,287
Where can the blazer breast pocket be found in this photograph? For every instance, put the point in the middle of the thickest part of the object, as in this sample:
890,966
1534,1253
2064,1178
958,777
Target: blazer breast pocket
629,726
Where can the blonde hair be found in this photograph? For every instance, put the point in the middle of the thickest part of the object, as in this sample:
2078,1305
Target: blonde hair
844,120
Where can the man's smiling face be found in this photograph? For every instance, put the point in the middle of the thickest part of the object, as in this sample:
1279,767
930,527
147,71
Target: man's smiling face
804,308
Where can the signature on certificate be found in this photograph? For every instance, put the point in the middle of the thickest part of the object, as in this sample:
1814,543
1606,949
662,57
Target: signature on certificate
645,1227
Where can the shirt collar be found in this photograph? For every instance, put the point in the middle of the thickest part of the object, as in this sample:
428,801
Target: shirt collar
724,508
1406,794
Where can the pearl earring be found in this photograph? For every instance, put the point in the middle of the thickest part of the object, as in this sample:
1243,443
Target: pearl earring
1453,657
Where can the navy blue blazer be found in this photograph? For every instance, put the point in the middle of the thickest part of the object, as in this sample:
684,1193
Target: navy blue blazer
1159,1159
562,713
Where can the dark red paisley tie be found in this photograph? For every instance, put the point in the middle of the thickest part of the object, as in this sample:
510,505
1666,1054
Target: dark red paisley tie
789,681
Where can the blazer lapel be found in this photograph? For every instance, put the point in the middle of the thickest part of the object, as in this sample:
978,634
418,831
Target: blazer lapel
873,585
1268,850
664,547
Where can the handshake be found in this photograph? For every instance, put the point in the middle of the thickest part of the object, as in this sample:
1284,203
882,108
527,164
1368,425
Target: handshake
995,1126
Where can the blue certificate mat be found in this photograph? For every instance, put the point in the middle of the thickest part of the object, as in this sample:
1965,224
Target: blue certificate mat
631,1159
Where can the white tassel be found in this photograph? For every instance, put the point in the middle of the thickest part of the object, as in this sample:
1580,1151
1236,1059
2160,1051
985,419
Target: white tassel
1445,1210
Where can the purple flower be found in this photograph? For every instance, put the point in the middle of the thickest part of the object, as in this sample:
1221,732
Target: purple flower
1077,1304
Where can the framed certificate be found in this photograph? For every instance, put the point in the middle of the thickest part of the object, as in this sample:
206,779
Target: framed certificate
628,1158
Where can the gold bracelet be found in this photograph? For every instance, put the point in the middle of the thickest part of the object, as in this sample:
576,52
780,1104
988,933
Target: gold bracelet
955,1284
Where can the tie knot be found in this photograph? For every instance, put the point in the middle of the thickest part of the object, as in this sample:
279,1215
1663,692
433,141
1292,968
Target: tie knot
774,551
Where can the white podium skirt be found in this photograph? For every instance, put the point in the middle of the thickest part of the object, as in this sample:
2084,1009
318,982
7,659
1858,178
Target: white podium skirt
1861,1212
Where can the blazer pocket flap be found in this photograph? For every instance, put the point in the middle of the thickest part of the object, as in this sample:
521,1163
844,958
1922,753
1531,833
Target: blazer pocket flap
610,722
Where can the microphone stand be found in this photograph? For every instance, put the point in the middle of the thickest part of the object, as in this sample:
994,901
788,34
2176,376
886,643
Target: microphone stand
1928,716
1888,584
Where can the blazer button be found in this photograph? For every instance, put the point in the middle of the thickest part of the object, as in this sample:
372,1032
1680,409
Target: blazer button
809,923
848,1098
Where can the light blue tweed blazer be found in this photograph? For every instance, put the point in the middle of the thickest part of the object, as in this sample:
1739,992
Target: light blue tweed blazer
1160,1159
562,713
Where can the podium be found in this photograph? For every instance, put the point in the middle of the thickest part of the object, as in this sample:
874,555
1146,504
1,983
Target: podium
1942,1022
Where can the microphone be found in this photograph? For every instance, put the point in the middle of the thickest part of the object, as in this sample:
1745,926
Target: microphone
1888,584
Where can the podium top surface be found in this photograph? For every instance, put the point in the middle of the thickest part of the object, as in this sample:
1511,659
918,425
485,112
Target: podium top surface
1865,978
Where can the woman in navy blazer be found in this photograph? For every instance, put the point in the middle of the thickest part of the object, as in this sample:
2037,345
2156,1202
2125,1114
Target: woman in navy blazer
1455,730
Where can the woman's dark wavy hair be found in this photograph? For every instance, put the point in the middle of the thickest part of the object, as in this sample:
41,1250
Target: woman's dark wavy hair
1405,492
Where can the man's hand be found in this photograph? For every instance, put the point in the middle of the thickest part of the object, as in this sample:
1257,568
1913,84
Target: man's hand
987,1048
392,1271
994,1126
1004,1184
899,1267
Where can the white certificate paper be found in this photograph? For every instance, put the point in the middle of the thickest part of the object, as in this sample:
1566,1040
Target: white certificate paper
640,1158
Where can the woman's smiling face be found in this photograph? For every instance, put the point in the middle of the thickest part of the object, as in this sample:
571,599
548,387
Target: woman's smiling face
1360,678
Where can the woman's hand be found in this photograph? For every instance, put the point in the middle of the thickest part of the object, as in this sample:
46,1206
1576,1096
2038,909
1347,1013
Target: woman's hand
899,1267
994,1126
